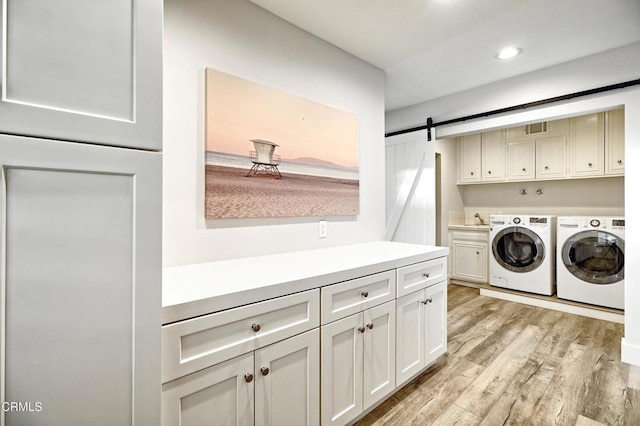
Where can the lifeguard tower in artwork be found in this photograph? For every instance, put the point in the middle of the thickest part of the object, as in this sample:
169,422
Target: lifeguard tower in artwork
263,158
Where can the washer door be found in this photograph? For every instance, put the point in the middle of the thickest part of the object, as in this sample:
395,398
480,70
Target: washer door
518,249
596,257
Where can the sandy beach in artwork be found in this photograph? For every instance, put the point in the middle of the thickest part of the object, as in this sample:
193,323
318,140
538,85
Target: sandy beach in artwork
229,194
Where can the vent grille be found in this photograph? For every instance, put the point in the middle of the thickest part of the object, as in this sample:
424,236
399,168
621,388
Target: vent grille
532,129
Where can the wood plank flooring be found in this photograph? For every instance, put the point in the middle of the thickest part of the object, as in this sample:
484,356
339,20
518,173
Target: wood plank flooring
512,364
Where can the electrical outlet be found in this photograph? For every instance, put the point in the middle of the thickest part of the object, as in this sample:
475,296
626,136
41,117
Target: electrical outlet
322,229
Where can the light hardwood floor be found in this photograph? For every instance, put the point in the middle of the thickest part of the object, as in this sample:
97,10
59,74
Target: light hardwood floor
512,364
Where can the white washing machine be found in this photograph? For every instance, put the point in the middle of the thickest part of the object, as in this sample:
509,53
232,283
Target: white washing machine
522,253
591,260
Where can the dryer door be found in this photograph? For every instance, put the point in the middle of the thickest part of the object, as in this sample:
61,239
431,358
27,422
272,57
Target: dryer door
596,257
518,249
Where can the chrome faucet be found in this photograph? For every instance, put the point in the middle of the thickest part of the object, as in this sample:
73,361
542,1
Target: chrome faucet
481,219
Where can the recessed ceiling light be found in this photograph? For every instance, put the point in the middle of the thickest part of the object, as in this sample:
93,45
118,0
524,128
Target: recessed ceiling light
508,53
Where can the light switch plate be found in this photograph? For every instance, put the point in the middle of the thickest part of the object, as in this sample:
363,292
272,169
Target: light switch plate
322,228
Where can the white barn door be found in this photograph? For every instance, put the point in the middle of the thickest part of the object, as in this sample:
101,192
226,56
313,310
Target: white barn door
411,192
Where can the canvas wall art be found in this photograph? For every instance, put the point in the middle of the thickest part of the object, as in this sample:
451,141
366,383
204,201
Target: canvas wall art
273,154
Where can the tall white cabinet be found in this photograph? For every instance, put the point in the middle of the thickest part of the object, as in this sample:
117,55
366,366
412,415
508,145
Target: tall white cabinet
80,211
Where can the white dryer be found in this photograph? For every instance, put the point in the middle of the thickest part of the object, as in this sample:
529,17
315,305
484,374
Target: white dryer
591,260
522,253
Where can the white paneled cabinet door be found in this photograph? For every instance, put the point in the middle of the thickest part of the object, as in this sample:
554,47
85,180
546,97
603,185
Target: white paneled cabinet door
550,158
469,261
379,356
341,366
521,160
410,336
80,261
83,71
469,158
287,389
615,142
435,321
219,395
586,145
493,156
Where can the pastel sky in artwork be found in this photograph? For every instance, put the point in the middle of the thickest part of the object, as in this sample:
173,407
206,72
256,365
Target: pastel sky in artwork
239,110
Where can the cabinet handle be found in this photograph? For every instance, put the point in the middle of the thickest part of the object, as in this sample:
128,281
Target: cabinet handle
361,329
619,161
471,173
429,300
489,171
546,167
477,252
248,377
426,275
524,170
365,293
590,164
264,371
370,326
255,327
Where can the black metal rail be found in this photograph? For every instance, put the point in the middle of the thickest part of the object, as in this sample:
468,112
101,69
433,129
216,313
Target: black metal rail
430,124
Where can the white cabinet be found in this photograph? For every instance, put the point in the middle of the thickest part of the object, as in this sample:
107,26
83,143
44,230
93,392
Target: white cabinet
80,251
276,385
586,145
83,71
493,156
469,255
422,330
614,141
521,160
358,363
469,158
550,158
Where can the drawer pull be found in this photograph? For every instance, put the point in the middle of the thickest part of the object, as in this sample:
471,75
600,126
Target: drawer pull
619,161
248,377
361,329
365,293
429,300
255,327
264,371
590,164
524,170
426,275
370,326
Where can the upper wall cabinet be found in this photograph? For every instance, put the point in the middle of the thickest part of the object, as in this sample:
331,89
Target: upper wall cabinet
586,145
550,158
493,156
469,158
83,71
614,155
522,160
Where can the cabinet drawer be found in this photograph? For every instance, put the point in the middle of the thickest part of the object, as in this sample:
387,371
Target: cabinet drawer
421,275
350,297
194,344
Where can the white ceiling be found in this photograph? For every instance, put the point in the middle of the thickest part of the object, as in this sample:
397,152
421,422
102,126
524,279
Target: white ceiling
432,48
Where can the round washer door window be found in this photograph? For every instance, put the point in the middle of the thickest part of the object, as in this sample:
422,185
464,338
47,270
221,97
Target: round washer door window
518,249
596,257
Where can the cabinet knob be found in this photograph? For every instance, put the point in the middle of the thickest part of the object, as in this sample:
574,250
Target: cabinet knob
248,377
471,173
524,170
489,171
370,326
590,164
264,371
365,293
619,161
426,275
477,252
546,167
361,329
255,327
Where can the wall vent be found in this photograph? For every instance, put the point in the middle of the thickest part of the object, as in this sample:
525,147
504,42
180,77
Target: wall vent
532,129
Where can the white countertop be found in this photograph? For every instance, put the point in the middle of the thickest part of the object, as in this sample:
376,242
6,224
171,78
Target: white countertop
199,289
484,228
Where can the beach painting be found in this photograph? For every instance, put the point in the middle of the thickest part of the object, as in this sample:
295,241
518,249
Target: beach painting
273,154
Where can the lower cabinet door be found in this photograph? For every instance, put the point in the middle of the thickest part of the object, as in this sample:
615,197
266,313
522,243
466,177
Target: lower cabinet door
287,387
435,316
410,336
220,395
379,357
341,364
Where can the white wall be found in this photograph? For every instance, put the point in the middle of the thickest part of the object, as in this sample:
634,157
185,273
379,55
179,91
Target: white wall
451,195
598,70
239,38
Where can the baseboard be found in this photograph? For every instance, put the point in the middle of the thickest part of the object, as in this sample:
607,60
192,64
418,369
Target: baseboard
550,304
630,353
